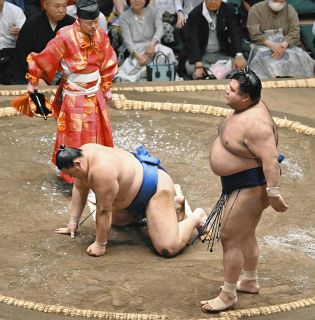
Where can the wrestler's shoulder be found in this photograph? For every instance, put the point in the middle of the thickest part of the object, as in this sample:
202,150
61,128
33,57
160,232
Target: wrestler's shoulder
258,111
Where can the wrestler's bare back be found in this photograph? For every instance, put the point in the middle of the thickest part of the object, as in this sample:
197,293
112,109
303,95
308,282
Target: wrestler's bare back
229,153
110,167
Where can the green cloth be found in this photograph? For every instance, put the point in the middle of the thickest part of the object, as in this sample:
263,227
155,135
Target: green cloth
308,37
303,6
238,2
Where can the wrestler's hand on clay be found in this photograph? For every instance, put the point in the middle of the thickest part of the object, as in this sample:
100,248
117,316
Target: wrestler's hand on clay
96,250
69,229
278,203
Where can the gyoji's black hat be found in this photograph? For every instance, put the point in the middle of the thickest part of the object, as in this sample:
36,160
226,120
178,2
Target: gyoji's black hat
87,9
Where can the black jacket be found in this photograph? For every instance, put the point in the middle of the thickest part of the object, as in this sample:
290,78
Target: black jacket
228,29
33,37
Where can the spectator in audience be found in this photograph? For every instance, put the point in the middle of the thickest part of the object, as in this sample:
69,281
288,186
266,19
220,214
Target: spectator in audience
173,19
274,29
142,30
11,20
244,9
114,31
108,6
19,3
119,6
84,54
32,7
38,31
213,39
186,5
72,11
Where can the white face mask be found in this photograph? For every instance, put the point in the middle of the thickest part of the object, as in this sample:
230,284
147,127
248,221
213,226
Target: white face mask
276,6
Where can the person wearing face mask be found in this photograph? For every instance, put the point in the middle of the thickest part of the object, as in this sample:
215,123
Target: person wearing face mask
274,30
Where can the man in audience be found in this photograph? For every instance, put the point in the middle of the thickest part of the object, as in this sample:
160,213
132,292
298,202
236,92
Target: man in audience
19,3
37,32
32,7
213,33
11,20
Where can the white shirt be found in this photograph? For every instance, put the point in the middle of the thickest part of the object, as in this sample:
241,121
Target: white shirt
10,14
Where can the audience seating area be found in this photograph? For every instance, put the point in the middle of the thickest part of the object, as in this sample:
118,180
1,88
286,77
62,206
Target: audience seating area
306,11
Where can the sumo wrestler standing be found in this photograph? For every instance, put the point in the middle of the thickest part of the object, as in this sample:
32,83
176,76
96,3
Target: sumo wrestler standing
245,156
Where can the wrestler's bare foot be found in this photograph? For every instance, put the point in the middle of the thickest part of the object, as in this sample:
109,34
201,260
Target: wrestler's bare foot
248,286
223,302
180,207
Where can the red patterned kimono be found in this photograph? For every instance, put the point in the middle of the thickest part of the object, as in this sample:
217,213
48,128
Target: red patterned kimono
79,106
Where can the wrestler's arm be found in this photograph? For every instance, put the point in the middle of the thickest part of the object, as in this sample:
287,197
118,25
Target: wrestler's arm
78,201
105,185
261,142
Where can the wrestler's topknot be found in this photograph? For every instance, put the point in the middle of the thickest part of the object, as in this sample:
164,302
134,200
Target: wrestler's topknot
66,156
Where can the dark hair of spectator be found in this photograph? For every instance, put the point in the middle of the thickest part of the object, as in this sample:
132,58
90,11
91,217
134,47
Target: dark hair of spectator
249,84
66,156
146,2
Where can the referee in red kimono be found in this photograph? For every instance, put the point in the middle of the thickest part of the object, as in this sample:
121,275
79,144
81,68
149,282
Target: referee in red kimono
83,53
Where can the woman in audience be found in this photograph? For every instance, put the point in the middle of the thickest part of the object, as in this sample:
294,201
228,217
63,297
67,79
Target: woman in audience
273,27
142,30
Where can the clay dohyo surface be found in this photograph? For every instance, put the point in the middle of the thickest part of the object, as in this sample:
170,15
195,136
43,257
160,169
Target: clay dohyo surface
40,266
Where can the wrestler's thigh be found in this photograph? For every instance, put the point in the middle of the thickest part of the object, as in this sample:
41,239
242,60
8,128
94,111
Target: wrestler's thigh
243,211
160,213
121,217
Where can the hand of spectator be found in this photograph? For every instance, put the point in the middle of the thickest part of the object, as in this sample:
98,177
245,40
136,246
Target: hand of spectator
181,20
198,73
141,58
14,30
277,50
284,45
150,49
240,63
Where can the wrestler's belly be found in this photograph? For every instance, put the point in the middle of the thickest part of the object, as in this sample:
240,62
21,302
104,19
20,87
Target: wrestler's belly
224,163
